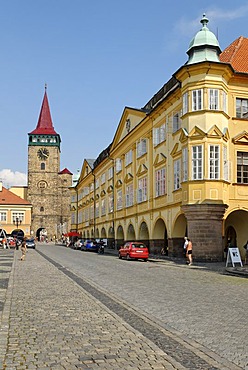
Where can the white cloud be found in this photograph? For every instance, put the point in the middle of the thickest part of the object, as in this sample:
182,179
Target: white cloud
188,27
10,178
226,14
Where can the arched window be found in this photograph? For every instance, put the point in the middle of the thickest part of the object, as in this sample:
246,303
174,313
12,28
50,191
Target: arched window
42,166
41,209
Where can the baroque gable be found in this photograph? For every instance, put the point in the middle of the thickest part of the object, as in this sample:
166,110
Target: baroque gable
86,168
241,138
197,133
214,132
130,118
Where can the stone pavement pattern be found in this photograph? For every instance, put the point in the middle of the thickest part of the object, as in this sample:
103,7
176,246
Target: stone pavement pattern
48,330
49,322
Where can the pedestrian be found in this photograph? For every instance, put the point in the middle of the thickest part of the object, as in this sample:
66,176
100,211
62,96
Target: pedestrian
23,249
189,248
185,245
246,252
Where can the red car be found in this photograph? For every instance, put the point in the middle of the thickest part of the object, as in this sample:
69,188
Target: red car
134,250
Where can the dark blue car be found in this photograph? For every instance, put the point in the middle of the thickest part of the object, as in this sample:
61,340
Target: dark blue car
90,245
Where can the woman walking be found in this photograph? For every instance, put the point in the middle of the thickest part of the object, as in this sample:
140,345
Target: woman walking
189,248
23,249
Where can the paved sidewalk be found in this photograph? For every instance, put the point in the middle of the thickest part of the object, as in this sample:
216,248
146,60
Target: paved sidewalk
211,266
50,322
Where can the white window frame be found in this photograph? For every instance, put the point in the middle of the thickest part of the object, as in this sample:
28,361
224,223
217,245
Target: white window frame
103,207
224,101
185,103
110,173
103,178
19,215
176,121
129,195
129,157
159,134
73,218
119,204
225,164
97,210
87,214
177,174
92,212
241,108
3,216
111,203
142,190
197,162
213,99
214,162
242,167
141,147
185,163
197,100
160,182
118,165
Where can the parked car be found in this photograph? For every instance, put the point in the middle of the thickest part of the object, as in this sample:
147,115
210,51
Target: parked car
11,242
90,245
78,244
134,250
30,243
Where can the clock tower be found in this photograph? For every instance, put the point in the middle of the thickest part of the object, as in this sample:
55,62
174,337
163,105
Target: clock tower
47,186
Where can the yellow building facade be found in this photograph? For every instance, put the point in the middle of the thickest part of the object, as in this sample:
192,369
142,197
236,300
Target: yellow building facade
178,166
15,212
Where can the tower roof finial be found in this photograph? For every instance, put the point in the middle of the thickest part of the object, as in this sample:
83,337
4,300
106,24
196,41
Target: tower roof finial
204,21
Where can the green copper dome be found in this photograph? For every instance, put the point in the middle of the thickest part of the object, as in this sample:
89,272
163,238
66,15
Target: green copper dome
204,46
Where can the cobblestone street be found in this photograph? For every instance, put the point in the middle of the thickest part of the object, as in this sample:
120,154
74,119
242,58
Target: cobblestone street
56,318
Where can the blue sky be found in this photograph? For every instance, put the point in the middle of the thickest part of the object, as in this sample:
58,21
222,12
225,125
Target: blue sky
96,56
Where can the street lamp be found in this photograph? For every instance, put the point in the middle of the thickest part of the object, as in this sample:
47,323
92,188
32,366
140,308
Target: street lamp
17,222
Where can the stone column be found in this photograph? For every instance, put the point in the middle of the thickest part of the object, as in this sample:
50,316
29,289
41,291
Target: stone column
204,223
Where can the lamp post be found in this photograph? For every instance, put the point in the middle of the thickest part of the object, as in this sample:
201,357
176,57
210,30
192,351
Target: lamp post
17,222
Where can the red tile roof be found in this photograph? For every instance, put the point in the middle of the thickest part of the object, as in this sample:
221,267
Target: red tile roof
237,54
65,171
7,197
45,124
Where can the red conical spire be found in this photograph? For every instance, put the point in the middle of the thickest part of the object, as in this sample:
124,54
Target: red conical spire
45,124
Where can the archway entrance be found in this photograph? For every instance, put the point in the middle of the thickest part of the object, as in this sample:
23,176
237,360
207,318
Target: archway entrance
130,233
144,234
111,238
119,236
236,230
17,233
159,244
177,237
41,234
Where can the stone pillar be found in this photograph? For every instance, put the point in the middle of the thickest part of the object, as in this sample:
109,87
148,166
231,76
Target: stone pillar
175,247
204,224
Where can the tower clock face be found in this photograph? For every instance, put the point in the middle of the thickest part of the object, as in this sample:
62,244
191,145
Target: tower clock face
43,153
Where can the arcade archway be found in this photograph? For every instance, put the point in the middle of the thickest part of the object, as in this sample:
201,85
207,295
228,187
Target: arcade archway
130,233
235,229
119,236
159,243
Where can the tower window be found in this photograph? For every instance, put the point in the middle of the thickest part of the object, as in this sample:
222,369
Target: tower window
41,209
42,166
